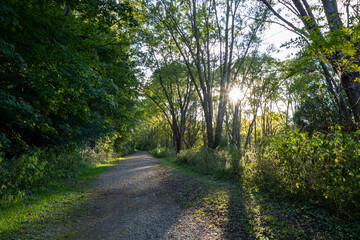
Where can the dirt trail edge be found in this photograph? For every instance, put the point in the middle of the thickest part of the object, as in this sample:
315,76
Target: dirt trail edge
139,199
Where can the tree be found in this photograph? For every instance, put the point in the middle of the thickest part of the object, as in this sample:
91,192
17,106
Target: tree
332,37
208,36
326,113
259,83
171,90
66,72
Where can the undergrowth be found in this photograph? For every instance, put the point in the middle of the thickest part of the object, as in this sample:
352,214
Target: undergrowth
323,169
162,152
246,211
35,215
22,175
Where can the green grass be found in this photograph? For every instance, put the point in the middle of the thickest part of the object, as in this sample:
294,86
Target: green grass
36,216
261,214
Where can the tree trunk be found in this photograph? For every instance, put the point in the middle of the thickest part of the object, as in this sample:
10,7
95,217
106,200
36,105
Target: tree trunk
236,125
248,136
239,132
352,90
204,133
219,123
255,139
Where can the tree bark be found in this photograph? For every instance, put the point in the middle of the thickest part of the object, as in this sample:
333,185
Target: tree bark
236,125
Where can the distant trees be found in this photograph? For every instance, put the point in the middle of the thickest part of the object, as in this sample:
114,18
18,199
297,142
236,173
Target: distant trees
275,122
212,39
170,89
217,43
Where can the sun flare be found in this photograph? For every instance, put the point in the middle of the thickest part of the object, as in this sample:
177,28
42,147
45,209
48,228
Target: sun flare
235,94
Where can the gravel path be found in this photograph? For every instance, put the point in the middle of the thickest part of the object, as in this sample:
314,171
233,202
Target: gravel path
139,199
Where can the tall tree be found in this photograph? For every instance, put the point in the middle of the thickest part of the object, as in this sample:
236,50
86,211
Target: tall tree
171,91
66,72
209,35
333,38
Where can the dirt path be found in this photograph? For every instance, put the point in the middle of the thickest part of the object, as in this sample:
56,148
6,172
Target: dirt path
139,199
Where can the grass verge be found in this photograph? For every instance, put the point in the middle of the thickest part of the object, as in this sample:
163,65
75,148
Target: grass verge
243,212
47,211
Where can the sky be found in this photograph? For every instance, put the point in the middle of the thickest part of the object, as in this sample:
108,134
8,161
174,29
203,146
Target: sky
277,36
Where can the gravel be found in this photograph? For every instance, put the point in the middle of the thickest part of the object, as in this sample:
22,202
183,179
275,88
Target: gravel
140,199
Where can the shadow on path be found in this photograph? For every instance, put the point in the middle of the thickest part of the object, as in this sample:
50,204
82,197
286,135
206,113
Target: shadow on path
139,200
142,199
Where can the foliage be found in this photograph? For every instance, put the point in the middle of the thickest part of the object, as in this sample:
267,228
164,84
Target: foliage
123,145
321,168
37,168
317,101
65,77
162,152
324,168
242,210
33,218
224,162
153,129
173,98
67,81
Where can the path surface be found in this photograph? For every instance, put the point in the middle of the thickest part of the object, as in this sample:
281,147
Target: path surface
138,200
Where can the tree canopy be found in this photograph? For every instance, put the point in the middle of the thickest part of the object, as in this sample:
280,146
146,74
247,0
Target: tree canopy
67,72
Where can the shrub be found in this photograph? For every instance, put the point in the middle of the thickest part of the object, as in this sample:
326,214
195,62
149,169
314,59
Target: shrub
123,146
322,168
37,168
224,162
162,152
325,168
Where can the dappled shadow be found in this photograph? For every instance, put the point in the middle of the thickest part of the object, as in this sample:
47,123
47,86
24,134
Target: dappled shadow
257,214
137,200
238,225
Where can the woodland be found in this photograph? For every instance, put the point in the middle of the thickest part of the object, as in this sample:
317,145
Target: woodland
184,79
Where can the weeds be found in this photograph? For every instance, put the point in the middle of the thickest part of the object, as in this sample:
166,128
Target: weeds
35,216
325,170
162,152
244,211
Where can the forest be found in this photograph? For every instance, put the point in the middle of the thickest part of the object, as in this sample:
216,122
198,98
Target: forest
191,80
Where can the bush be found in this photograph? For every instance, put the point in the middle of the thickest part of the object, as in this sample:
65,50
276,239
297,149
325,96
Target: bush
225,162
322,168
123,146
37,168
325,168
162,152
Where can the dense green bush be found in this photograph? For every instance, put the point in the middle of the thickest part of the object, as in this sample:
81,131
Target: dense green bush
37,168
123,145
208,160
162,152
72,81
325,168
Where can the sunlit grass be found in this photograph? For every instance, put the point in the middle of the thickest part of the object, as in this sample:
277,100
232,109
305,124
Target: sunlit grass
31,217
262,215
